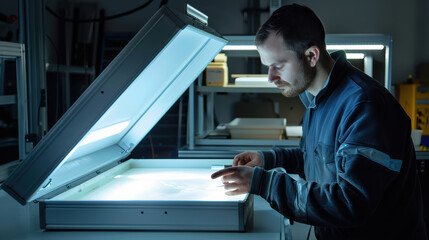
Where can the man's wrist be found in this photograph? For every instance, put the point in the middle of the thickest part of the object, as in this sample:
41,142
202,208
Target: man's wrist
268,159
260,184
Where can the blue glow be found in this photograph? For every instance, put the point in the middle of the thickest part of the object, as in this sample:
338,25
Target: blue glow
155,90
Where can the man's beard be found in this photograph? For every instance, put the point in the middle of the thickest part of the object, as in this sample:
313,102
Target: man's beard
303,81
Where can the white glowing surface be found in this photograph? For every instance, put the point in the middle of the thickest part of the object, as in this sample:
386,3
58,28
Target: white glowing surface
158,184
105,132
355,55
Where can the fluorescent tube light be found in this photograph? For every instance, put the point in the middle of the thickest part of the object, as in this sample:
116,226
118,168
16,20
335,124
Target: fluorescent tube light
355,47
328,47
239,47
355,55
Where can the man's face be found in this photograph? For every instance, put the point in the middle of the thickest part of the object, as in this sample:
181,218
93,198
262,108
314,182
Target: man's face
292,75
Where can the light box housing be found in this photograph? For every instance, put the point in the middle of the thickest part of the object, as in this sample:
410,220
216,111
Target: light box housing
119,108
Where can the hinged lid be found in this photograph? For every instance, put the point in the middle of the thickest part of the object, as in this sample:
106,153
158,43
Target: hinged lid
120,107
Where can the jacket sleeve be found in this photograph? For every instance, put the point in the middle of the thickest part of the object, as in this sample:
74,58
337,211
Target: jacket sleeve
290,159
366,164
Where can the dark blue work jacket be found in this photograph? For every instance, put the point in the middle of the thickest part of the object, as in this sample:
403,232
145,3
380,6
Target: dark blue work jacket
356,160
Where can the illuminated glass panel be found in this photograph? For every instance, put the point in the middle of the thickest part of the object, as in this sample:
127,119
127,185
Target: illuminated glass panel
155,184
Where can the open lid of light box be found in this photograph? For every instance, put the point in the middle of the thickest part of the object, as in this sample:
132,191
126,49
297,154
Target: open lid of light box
120,107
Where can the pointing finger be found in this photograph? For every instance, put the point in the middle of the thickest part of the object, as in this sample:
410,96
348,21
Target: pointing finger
225,171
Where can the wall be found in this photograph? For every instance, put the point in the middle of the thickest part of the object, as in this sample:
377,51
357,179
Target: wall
224,15
422,33
404,20
7,8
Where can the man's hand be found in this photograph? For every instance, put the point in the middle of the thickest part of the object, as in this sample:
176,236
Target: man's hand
250,159
236,180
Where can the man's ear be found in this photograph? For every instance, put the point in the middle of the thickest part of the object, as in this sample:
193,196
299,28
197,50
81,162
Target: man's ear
312,55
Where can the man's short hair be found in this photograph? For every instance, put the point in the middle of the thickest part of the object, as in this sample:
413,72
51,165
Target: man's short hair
298,25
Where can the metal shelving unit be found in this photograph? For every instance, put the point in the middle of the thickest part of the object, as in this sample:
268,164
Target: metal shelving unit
16,52
201,98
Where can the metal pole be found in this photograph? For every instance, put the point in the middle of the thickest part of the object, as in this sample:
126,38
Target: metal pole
22,103
33,35
388,64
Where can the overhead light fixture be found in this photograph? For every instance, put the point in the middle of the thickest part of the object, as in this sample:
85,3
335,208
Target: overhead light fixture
239,47
328,47
355,55
355,47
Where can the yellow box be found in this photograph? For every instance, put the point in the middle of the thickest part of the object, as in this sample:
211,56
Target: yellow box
217,74
414,98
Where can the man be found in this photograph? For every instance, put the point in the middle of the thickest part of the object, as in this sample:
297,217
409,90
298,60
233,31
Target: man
356,156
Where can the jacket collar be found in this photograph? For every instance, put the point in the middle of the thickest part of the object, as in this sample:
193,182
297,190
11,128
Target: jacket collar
337,72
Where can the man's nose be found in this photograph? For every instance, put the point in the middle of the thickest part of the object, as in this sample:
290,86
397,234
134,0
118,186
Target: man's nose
272,75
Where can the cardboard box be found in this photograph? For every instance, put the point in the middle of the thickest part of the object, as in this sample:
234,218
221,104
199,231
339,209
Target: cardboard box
257,128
